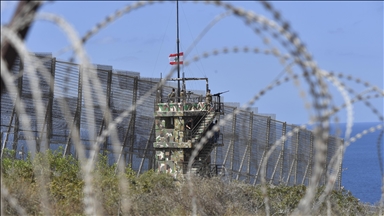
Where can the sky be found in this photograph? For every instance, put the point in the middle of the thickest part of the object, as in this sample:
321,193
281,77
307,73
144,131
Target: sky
343,37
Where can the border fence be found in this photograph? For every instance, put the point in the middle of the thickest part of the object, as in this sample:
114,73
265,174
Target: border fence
246,137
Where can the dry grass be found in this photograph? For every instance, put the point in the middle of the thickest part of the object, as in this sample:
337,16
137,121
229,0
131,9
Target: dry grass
64,186
152,193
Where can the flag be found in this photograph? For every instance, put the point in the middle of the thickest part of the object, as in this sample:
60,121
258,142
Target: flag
173,58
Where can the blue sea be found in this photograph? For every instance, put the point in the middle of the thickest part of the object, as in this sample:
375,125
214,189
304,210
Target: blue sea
361,173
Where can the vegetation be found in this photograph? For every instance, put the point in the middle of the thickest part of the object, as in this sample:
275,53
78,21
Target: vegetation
149,193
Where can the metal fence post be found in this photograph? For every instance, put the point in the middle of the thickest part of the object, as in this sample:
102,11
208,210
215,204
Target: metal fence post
133,120
107,114
341,168
308,170
311,159
50,102
296,154
325,168
250,146
17,121
233,140
268,145
282,151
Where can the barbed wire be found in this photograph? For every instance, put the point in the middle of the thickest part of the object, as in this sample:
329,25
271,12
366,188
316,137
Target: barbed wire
321,109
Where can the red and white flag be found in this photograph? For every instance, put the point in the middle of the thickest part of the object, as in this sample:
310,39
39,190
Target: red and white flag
173,58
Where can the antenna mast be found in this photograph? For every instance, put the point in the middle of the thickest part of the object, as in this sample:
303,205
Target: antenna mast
178,51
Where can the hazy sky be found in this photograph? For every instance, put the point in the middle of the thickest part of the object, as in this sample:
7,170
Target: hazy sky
345,37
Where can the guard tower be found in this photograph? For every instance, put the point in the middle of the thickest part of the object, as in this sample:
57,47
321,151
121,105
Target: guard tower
180,123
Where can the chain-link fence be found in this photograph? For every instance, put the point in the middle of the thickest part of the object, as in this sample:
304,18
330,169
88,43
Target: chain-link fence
246,137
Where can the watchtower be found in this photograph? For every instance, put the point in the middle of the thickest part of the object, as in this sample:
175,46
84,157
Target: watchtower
180,123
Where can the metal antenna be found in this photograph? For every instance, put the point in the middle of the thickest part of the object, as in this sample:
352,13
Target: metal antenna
178,51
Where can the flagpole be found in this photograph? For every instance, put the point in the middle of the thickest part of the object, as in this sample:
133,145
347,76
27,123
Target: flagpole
178,51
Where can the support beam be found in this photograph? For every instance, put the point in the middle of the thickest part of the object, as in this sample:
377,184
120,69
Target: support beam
290,171
308,169
123,145
46,129
146,148
77,118
247,149
8,131
231,141
264,152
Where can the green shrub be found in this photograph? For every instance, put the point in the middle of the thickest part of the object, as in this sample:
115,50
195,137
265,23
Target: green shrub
149,193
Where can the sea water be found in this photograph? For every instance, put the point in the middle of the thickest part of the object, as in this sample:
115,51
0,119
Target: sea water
361,170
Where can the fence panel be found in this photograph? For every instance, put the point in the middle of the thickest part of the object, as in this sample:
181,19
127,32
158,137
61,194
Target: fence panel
247,137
